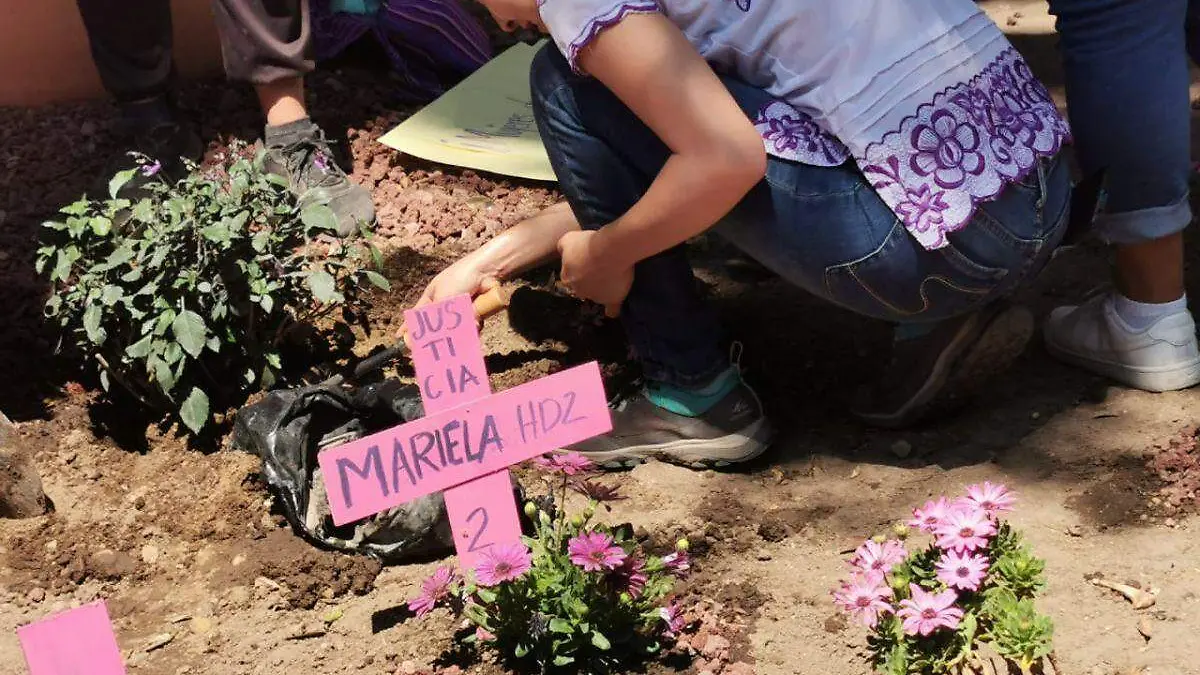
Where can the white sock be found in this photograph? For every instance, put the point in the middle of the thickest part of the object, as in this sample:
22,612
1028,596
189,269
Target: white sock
1139,316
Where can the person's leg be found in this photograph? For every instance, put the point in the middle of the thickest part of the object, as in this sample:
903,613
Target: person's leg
131,47
695,409
1127,91
268,43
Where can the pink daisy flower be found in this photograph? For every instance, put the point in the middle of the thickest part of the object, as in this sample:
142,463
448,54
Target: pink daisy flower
567,463
433,590
502,562
595,551
992,498
875,557
677,563
928,517
630,577
965,529
925,613
672,615
962,570
864,597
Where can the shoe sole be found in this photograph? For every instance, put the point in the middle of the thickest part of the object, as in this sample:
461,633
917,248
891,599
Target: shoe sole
1157,380
711,453
980,351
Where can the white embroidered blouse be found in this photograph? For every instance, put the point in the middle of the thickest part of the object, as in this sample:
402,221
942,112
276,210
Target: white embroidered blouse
927,96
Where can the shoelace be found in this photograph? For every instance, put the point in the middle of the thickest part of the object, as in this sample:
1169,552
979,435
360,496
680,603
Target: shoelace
311,156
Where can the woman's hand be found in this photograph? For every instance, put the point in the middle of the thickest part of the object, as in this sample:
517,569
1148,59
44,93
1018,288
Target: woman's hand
463,277
589,275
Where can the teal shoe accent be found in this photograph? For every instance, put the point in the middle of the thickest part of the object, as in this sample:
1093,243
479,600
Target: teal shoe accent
361,7
693,402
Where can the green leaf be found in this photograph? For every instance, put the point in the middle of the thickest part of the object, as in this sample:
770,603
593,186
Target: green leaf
486,595
143,211
273,359
319,217
378,280
190,331
117,258
600,642
562,660
217,233
62,267
521,650
91,324
172,353
101,226
558,625
324,288
77,208
141,348
260,241
267,303
132,275
118,181
214,344
204,287
104,379
268,378
111,294
164,322
194,410
376,256
162,373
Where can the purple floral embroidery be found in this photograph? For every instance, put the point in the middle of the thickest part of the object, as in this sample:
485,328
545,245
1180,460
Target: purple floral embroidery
963,147
923,208
791,134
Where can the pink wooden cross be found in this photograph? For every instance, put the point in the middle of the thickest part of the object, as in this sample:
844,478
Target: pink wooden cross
79,641
468,437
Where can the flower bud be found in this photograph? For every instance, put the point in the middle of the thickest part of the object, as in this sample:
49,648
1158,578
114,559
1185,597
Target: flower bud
589,510
530,509
544,517
879,539
898,584
626,598
576,521
682,545
900,530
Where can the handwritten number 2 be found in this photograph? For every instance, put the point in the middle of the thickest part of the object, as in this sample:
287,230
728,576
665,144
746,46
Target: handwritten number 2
475,541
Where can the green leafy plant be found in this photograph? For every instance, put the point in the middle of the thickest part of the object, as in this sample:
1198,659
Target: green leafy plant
577,596
185,292
967,595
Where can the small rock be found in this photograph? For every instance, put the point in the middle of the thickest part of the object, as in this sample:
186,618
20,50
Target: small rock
159,641
94,474
266,584
902,448
238,596
408,668
36,595
714,645
201,625
238,560
178,618
307,630
1145,628
150,554
52,546
764,556
1169,522
739,668
1075,531
112,564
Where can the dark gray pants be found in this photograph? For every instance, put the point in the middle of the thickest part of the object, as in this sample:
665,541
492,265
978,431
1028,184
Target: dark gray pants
261,41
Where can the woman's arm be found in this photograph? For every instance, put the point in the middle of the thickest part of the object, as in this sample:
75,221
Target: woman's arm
717,155
528,244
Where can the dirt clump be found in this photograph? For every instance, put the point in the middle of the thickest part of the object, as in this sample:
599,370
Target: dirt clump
310,575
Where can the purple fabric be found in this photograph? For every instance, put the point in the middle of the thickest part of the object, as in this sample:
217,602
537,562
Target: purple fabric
431,44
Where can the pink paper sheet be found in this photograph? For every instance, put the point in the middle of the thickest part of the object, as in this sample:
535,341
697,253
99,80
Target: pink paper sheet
76,642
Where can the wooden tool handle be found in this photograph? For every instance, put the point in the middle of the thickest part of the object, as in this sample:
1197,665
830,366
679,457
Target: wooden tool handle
487,304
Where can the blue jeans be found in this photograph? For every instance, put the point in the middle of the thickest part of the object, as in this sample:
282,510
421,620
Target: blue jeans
822,228
1127,90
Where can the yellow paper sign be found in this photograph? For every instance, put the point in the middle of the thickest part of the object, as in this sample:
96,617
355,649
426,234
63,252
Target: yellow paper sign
484,123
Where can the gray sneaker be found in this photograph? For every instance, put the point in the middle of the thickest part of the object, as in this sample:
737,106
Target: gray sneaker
733,431
300,153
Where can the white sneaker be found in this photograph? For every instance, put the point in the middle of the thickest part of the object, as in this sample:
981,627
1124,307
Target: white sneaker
1162,357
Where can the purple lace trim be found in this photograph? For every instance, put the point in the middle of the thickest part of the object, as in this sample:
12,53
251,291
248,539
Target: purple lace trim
597,24
957,151
964,147
791,134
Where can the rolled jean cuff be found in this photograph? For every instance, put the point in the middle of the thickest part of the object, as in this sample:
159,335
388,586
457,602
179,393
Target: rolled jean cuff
1136,227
